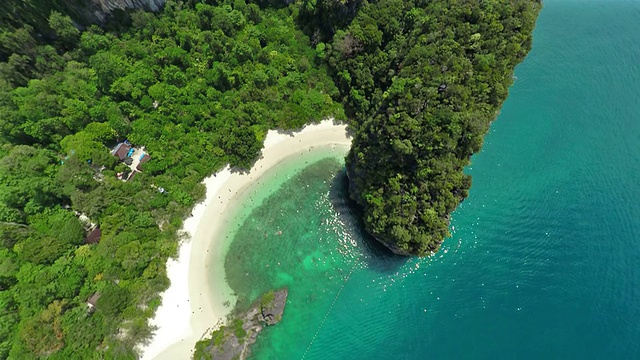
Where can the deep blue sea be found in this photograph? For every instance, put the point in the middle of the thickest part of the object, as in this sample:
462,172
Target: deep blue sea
544,262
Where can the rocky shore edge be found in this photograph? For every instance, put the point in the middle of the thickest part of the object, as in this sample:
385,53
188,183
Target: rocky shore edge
234,339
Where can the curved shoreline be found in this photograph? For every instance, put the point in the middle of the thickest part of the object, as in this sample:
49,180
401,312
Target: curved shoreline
189,309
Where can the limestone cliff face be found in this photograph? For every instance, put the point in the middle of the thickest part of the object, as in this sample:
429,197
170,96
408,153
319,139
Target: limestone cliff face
17,13
102,8
108,5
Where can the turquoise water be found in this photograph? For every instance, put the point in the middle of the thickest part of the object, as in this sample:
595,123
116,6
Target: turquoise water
544,262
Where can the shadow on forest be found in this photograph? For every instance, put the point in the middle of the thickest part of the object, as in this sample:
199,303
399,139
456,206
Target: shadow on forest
377,256
292,132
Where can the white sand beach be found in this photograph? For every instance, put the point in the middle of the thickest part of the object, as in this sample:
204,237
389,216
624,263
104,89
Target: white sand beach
195,302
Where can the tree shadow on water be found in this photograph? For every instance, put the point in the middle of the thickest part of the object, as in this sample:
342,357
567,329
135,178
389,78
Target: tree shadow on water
376,256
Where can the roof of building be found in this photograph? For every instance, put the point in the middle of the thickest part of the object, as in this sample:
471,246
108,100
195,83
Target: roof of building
145,157
93,300
121,150
94,236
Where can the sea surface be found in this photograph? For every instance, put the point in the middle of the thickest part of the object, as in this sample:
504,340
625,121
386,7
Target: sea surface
544,261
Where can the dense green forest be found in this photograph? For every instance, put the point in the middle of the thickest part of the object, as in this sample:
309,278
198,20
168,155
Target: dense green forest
423,81
198,85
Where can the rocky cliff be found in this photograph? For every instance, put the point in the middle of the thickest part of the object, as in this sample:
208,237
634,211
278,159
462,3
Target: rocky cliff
233,341
17,13
102,8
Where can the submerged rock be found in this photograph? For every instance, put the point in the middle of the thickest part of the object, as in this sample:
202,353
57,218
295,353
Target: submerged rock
233,340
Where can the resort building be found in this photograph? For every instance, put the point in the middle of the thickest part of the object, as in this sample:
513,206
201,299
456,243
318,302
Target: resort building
132,157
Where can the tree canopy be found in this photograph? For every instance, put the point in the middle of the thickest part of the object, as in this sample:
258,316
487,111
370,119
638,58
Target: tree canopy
198,85
422,81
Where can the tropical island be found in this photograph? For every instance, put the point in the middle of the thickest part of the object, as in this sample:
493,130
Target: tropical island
109,126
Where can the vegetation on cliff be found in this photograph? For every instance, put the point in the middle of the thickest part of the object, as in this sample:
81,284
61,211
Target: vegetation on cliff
15,14
422,80
199,85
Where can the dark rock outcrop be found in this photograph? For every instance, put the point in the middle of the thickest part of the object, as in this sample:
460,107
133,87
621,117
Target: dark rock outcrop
102,8
233,340
271,310
17,13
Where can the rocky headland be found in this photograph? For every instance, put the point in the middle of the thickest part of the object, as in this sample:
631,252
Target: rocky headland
233,340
